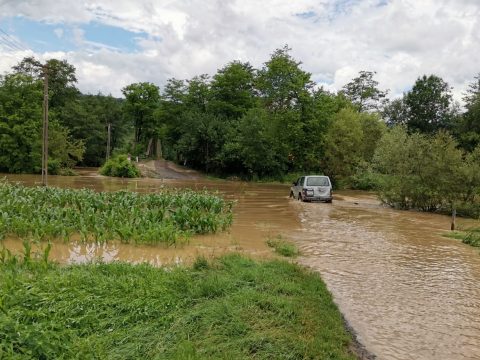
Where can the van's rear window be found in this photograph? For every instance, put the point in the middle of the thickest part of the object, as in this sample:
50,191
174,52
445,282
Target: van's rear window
317,181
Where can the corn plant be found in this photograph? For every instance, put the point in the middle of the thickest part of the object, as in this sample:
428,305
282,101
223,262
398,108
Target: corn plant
168,216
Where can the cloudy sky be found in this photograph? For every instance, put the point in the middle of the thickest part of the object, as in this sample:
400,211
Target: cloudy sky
113,43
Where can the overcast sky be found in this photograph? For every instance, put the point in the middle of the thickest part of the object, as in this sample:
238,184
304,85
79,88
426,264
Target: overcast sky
113,43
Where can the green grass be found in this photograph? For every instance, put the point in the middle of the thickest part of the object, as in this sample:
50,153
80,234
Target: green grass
470,236
283,247
229,308
164,217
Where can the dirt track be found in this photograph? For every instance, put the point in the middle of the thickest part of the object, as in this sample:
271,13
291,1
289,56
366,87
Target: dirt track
163,169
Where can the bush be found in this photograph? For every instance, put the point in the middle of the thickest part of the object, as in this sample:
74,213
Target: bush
120,166
472,237
365,180
427,173
471,210
54,166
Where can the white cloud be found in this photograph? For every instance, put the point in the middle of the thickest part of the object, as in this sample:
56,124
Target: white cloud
400,39
58,32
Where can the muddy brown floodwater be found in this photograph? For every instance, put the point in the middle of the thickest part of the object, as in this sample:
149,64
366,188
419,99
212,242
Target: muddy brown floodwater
407,291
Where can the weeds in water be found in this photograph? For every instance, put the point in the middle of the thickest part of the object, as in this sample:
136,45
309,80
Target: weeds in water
283,247
166,217
234,308
469,236
472,237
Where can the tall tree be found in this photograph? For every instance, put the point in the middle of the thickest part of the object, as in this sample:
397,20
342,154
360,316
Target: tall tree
469,124
61,78
363,92
141,100
88,118
281,83
429,105
198,93
344,144
20,129
395,113
232,90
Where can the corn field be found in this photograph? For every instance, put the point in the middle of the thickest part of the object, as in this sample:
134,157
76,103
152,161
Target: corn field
166,217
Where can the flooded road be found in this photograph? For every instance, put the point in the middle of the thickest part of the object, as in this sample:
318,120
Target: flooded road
407,291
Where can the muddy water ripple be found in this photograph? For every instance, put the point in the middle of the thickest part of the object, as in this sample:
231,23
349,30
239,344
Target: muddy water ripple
408,292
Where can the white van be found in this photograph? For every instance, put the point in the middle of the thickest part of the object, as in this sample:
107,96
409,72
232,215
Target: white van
312,188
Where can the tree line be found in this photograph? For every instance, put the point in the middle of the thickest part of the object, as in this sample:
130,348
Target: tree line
267,123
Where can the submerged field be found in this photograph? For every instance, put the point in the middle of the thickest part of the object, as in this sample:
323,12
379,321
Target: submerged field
164,217
230,308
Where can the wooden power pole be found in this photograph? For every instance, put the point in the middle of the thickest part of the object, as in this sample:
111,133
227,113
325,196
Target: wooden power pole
45,127
109,136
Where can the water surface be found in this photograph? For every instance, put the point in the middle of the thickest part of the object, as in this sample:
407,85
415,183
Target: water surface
408,292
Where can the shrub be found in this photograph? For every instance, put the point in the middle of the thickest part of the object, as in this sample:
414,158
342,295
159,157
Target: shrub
427,173
54,166
120,166
365,180
472,237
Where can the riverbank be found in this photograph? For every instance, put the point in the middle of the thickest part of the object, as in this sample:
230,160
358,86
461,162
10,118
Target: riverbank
230,307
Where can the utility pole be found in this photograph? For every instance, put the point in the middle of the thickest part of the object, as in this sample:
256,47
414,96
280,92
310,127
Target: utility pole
45,127
109,131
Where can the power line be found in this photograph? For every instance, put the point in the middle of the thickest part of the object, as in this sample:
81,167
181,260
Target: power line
9,45
6,45
7,38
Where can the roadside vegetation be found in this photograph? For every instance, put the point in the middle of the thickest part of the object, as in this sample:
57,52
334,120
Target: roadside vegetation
427,172
468,236
228,308
283,247
166,217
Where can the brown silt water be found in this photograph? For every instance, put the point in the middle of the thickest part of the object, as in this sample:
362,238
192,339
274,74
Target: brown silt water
407,291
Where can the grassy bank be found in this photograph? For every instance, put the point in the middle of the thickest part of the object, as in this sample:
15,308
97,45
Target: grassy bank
164,217
231,308
469,237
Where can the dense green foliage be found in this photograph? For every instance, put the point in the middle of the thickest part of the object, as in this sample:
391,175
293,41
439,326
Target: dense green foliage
230,308
253,123
363,92
120,166
77,123
472,237
426,172
164,217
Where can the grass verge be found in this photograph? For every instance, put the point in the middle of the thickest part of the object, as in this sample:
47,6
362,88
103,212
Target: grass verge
283,247
229,308
163,217
470,236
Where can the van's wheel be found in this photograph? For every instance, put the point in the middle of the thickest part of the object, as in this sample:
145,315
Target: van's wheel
329,201
300,197
291,194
